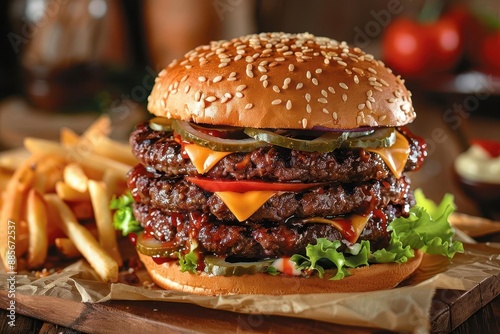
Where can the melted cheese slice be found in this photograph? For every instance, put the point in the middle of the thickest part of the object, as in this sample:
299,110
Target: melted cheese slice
357,225
243,205
395,156
203,158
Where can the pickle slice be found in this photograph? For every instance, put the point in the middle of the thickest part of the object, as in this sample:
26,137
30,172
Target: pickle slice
219,267
161,124
189,133
384,137
156,248
327,142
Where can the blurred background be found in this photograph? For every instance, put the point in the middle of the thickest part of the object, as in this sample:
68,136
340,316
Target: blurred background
63,63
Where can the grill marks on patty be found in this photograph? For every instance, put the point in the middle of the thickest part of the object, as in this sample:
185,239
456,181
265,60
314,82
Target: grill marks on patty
179,195
272,163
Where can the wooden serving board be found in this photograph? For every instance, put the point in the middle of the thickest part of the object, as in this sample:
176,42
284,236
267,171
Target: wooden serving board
449,309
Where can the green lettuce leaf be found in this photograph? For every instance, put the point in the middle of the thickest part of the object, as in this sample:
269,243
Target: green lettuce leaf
123,218
189,262
426,229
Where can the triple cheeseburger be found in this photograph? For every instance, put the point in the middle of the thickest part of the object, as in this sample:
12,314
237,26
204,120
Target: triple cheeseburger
274,165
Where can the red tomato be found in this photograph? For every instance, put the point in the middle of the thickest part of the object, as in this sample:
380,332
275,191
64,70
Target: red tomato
405,47
446,44
490,52
242,186
493,147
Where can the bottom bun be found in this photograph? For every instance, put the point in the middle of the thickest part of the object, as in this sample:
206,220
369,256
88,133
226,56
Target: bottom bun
375,277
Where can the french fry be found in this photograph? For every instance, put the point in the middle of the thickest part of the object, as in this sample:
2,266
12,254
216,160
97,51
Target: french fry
14,199
67,248
67,193
86,159
114,184
104,265
101,127
75,177
37,226
68,137
116,151
103,218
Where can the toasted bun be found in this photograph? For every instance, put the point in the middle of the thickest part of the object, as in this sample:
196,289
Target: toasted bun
374,277
278,80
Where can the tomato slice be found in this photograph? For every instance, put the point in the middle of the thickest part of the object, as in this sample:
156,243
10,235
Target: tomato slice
493,147
242,186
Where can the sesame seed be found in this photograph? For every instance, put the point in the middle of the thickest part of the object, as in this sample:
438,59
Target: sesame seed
225,60
217,79
325,111
343,85
291,67
186,90
240,88
318,70
308,108
322,100
176,85
232,74
361,106
262,69
286,82
228,95
377,88
340,62
276,102
211,99
308,74
315,81
308,97
224,100
304,123
358,70
263,77
265,83
344,97
221,65
331,89
383,82
197,96
324,93
381,118
372,70
184,78
392,100
240,52
369,105
369,93
372,79
288,53
276,89
238,94
263,63
249,73
371,99
248,106
231,79
288,105
299,86
358,120
356,79
334,115
237,57
249,59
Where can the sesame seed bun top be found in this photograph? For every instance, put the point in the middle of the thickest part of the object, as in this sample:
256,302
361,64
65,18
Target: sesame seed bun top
278,80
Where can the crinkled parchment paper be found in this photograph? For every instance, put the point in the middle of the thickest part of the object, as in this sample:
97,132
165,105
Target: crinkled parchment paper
405,308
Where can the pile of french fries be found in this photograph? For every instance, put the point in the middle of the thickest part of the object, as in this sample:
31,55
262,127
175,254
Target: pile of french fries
57,186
